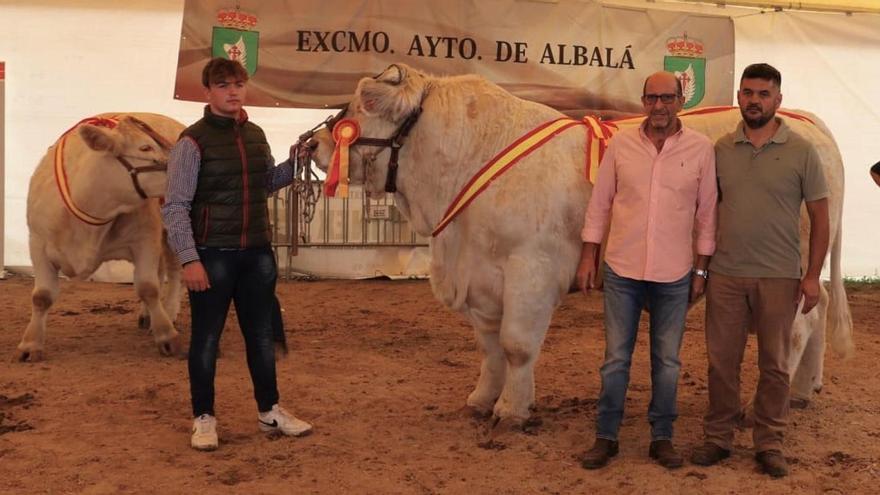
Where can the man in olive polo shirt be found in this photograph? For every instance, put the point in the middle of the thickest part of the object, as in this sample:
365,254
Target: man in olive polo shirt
765,171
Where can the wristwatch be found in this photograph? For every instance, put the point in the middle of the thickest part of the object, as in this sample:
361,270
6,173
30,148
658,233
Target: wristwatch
701,273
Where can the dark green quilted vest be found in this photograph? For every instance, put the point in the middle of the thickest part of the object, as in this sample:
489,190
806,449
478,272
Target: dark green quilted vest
229,209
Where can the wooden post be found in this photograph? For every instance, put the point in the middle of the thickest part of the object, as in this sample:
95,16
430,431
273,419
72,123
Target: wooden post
2,167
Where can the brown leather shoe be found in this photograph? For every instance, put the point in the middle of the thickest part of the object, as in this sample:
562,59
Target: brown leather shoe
665,454
598,456
709,454
773,463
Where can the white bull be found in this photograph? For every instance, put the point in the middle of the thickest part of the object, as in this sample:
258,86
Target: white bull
85,206
507,260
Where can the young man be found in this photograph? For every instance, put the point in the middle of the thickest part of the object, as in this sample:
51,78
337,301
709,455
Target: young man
656,186
765,173
219,175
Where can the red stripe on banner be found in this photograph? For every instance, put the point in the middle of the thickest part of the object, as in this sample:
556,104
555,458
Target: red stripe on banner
796,116
707,110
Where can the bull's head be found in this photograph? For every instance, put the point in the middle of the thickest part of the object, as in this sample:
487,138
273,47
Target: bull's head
140,154
381,106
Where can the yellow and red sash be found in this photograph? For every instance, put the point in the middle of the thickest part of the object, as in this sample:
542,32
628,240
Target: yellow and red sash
599,133
61,174
502,162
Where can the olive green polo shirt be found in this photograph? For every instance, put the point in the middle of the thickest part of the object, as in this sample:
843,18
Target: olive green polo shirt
760,192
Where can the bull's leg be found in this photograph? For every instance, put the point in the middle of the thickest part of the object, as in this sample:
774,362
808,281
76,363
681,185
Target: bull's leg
173,286
492,367
806,375
146,282
44,294
529,298
144,317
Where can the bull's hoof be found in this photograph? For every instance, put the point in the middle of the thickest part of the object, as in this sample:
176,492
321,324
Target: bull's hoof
798,403
29,355
506,425
501,430
144,322
171,347
474,412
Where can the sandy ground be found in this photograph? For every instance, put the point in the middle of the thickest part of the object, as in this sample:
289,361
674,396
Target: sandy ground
382,370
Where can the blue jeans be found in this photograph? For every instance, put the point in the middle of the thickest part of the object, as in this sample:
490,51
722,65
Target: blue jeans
247,278
624,300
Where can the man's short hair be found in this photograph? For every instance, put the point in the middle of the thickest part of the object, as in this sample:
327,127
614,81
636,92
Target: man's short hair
219,68
762,71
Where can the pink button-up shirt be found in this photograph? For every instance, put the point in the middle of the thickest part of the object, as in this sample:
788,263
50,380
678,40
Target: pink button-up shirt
660,202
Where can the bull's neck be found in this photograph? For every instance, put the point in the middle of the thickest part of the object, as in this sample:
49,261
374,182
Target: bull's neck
448,148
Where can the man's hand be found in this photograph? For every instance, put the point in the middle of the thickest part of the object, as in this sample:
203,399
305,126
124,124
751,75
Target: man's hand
809,291
195,278
586,272
698,286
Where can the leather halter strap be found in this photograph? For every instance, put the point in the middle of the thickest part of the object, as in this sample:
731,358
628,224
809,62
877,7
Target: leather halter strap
133,171
395,142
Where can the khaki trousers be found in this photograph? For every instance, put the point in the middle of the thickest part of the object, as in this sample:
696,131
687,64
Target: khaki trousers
733,305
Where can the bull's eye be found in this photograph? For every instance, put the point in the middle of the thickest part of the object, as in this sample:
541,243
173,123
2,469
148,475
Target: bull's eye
146,147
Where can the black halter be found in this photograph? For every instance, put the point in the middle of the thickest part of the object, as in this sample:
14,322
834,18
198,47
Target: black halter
395,142
133,171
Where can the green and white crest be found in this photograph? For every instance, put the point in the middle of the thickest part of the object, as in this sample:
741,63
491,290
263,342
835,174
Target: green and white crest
236,44
692,74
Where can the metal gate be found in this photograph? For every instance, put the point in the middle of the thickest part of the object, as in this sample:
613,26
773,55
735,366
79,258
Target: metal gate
352,223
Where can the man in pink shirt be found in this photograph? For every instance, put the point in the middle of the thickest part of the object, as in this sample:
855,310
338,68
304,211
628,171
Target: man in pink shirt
657,182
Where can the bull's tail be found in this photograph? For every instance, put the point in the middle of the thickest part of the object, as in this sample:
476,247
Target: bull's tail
840,325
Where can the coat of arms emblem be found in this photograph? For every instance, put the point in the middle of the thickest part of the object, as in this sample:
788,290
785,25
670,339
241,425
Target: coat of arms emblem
236,39
686,61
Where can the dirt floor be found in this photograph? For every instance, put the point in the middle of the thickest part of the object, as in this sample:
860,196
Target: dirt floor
382,370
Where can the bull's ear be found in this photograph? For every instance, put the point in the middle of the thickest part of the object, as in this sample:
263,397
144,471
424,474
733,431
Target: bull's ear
98,138
394,75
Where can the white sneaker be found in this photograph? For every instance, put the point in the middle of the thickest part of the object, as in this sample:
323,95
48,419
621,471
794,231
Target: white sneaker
204,435
278,419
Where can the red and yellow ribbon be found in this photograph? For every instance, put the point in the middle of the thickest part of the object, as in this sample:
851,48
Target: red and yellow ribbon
61,174
508,157
345,132
599,133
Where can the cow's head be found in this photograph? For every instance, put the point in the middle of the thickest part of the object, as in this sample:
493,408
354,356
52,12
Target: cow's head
380,106
137,154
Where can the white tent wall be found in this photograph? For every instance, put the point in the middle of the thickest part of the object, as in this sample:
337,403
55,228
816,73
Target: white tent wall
67,60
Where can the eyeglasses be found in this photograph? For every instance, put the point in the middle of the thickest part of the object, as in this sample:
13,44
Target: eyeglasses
664,98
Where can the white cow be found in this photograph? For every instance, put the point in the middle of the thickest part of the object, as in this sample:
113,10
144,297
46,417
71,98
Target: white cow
93,198
507,260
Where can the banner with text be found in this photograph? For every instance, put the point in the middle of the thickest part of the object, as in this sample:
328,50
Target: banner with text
573,55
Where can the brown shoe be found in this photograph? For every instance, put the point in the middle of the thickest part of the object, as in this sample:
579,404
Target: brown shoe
773,463
665,454
598,456
709,454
